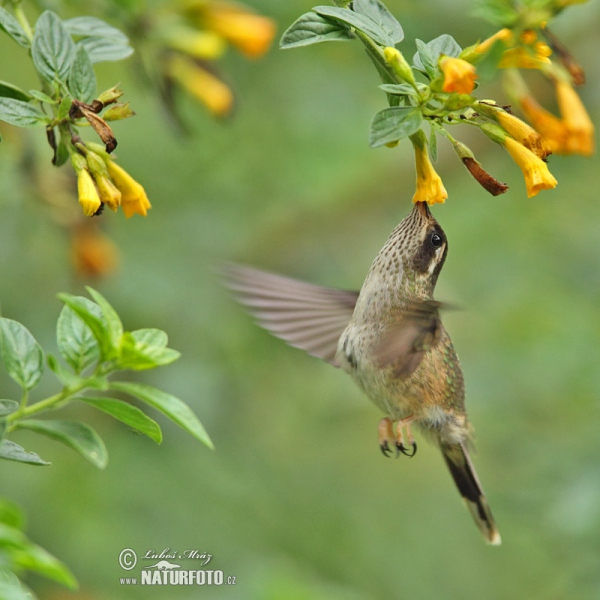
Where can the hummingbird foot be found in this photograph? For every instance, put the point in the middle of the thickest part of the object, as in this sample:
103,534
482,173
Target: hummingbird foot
386,435
404,425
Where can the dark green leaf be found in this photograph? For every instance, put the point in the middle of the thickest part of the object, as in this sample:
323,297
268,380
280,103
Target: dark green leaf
20,114
96,323
82,79
128,414
379,13
393,124
7,407
41,97
11,26
111,318
103,50
360,22
22,355
52,49
8,90
433,145
76,343
93,27
312,28
78,436
398,89
2,427
62,153
11,451
427,56
171,406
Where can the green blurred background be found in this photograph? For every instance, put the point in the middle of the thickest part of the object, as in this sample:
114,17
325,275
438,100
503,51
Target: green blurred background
297,501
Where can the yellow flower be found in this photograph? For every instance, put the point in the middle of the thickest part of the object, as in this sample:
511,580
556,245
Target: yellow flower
87,192
459,75
109,194
201,84
133,195
504,34
206,45
523,58
535,170
578,123
93,254
523,133
551,128
250,33
430,188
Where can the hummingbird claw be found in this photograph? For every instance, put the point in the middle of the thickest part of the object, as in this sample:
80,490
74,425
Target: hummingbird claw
402,449
385,449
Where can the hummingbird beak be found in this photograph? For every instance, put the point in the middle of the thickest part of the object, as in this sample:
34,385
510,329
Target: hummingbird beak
423,209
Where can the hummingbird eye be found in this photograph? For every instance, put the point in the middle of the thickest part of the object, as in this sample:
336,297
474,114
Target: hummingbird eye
436,239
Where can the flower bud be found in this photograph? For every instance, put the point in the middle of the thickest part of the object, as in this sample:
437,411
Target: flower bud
396,61
110,96
118,111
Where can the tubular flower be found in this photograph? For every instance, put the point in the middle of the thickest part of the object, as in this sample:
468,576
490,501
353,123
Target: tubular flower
201,84
578,123
109,194
551,128
504,34
250,33
93,254
459,75
523,133
535,170
87,193
526,57
133,195
206,45
430,188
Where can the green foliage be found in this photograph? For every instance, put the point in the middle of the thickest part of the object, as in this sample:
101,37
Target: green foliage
19,554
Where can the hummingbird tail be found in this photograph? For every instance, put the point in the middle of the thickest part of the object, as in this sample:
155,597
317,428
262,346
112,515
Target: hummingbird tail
465,477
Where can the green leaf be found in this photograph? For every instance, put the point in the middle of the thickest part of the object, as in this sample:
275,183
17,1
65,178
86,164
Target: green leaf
7,407
379,13
96,322
11,451
393,124
11,26
11,514
2,427
66,376
82,79
312,28
128,414
427,56
76,342
42,97
433,145
52,49
24,554
20,114
497,12
10,586
171,406
103,50
145,349
78,436
113,322
64,107
8,90
93,27
22,355
358,21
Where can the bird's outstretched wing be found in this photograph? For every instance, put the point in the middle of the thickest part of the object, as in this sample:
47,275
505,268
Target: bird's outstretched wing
304,315
418,329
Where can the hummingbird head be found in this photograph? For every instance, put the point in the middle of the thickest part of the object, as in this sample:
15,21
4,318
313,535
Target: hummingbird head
413,256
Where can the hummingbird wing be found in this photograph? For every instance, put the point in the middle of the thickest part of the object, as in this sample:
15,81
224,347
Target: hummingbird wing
418,329
306,316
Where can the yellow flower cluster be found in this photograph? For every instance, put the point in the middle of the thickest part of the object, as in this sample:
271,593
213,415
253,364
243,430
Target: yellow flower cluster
101,181
202,34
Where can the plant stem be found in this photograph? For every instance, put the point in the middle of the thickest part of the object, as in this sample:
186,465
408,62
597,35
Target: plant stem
20,15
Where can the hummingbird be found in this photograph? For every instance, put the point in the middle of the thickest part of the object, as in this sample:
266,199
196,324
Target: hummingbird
389,338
